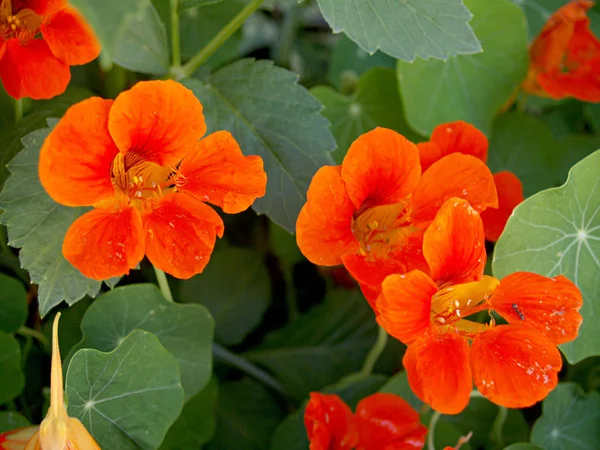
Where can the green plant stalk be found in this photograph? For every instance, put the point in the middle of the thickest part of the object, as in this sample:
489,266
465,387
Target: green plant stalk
30,332
431,433
374,353
224,355
288,35
498,425
175,36
18,109
216,42
163,284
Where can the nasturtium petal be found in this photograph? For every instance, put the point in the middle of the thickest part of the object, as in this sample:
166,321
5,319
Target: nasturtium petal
270,115
186,331
26,206
569,420
404,30
469,87
557,231
128,415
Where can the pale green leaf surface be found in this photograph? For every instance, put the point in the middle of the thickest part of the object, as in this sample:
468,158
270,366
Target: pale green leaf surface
10,368
184,4
569,420
376,104
237,307
334,336
469,87
522,446
127,399
130,32
13,304
11,421
557,231
404,29
272,116
196,424
37,225
184,330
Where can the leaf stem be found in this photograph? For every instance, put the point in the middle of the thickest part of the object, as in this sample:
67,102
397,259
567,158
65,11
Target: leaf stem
498,425
431,433
288,35
226,356
30,332
217,41
18,109
175,37
374,353
163,284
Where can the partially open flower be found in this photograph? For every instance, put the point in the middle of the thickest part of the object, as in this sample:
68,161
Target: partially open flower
58,431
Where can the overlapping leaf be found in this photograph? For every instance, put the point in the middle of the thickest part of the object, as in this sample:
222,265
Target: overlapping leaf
404,29
557,231
11,420
13,304
130,32
237,307
569,420
10,368
128,398
37,225
469,87
272,116
184,330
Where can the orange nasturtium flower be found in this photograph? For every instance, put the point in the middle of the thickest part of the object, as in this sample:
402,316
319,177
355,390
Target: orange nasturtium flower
462,137
382,422
139,161
58,431
370,212
565,56
513,365
17,439
39,41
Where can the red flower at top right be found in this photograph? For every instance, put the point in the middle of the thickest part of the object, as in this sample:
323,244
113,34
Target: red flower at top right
565,56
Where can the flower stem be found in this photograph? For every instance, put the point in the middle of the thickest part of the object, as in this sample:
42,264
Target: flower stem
247,367
431,434
18,109
30,332
375,352
217,41
175,36
163,284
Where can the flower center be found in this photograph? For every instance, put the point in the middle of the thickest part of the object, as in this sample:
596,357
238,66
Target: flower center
449,306
23,25
382,230
140,182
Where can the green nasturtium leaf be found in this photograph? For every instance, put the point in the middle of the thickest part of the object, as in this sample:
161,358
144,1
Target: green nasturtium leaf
10,368
376,104
37,225
130,32
404,29
525,146
291,432
11,421
184,330
13,304
569,420
555,232
128,398
334,336
184,4
349,60
469,87
247,414
272,116
237,308
522,446
196,424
